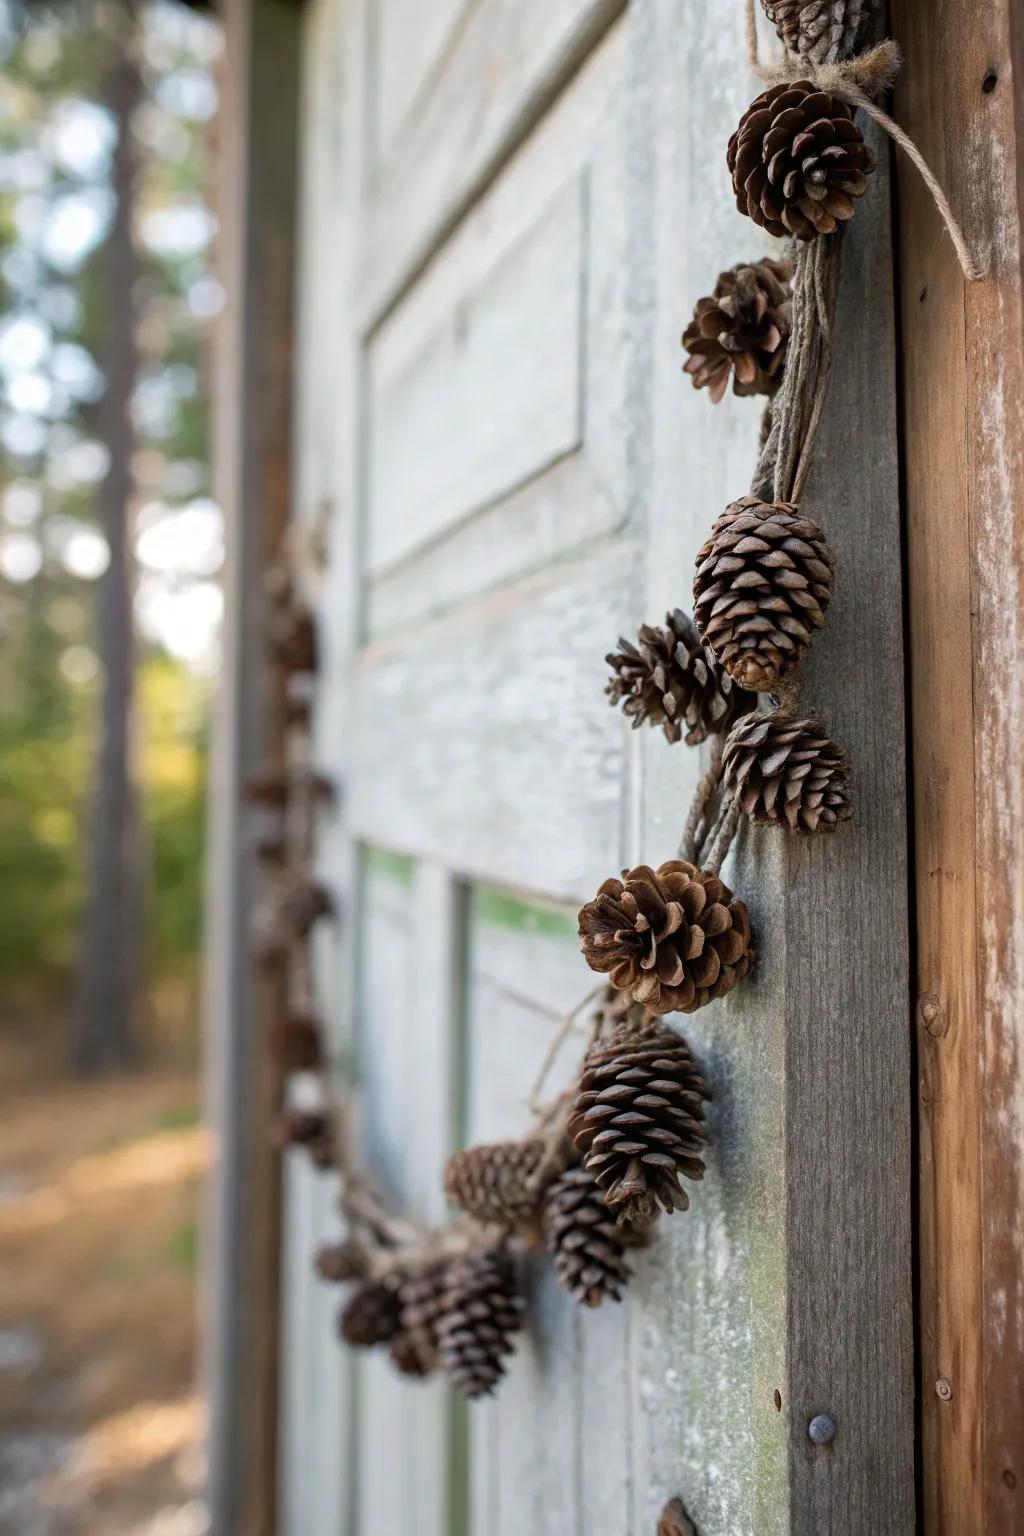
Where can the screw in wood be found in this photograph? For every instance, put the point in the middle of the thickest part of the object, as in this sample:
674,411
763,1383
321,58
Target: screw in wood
943,1389
822,1429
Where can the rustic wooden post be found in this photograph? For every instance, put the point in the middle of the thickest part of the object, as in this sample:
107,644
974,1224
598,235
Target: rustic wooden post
960,96
258,128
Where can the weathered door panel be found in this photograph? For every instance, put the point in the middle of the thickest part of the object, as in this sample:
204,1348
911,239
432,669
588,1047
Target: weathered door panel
509,210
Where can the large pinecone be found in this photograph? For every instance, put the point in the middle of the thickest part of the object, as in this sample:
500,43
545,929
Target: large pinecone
788,771
482,1310
371,1315
638,1121
820,31
496,1182
741,330
670,678
763,582
798,160
414,1349
674,937
587,1244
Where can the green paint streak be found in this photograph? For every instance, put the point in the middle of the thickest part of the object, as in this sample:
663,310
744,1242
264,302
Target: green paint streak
389,866
506,912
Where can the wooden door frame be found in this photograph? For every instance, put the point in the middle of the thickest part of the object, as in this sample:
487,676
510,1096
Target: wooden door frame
960,97
257,162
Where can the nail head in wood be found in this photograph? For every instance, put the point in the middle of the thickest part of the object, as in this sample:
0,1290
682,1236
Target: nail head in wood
822,1429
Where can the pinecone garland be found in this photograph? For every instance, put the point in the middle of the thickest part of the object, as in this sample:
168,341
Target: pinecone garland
482,1310
798,160
741,330
787,771
674,938
340,1262
763,583
495,1182
371,1315
587,1244
638,1121
670,678
820,31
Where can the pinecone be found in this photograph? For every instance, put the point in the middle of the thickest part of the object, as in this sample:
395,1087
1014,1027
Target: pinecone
371,1315
788,771
414,1349
292,639
295,1041
674,937
496,1182
798,160
308,1128
587,1244
267,786
339,1262
482,1310
742,329
670,678
302,901
820,31
638,1121
763,582
271,846
675,1521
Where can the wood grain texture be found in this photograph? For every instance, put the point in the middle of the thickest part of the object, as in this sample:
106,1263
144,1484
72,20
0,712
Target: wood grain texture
963,375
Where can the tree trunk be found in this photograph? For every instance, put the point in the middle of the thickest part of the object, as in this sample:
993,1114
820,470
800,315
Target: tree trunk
103,1033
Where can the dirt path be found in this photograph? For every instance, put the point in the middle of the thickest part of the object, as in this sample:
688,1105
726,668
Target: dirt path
100,1419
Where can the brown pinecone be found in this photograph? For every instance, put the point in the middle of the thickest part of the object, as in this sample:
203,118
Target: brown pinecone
292,639
798,160
339,1262
422,1298
308,1128
820,31
742,330
787,771
638,1121
674,937
482,1310
587,1244
675,1521
271,846
267,786
295,1041
763,582
371,1315
495,1182
670,678
302,901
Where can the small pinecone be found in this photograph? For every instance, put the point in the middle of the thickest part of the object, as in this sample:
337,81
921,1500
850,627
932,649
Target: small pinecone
302,902
271,847
798,160
310,1129
670,678
267,786
763,583
295,1041
341,1262
293,639
422,1298
495,1182
371,1315
675,1521
638,1121
482,1310
788,771
587,1244
674,937
742,330
820,31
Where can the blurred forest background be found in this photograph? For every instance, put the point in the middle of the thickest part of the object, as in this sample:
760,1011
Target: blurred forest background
110,552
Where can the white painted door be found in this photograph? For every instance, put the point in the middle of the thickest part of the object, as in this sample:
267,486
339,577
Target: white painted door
509,208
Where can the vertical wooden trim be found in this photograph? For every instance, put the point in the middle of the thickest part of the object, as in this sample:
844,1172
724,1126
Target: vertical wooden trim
252,434
963,384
